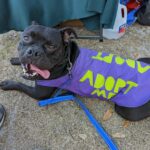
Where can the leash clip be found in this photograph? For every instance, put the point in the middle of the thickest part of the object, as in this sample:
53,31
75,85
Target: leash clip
69,69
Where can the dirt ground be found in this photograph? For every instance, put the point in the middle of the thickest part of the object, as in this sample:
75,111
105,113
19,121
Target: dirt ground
64,126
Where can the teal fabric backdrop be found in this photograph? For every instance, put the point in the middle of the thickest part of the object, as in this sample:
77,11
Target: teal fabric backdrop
18,14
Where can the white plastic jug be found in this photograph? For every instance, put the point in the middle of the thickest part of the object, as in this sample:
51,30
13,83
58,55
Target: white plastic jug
120,24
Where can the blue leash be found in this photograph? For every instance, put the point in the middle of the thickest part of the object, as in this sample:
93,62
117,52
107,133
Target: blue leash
102,133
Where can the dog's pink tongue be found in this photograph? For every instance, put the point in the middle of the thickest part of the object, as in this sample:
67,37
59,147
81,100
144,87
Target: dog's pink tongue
44,73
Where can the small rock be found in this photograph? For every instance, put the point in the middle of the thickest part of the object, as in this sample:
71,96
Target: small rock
118,135
83,136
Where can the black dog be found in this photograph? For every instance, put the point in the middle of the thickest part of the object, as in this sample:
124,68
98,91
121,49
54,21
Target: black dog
53,51
46,48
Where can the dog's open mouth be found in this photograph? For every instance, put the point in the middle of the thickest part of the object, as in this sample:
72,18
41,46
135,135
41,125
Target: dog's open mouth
31,70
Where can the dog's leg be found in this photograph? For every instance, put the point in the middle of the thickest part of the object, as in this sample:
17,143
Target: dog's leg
37,92
138,113
15,61
134,114
145,60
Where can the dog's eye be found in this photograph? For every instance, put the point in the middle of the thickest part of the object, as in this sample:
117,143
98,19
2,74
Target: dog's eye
50,47
27,39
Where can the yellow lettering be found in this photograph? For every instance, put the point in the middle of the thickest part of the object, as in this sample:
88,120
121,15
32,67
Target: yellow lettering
131,85
119,60
99,93
107,59
109,84
119,84
131,63
88,76
110,95
142,69
99,82
98,56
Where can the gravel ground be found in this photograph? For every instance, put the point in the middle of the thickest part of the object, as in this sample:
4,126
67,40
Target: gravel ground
64,126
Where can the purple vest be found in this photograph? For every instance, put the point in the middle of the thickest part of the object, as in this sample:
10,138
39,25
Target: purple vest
108,77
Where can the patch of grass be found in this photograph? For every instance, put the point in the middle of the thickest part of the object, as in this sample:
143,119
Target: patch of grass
8,43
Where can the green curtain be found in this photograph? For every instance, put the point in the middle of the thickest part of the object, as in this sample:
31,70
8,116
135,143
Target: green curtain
18,14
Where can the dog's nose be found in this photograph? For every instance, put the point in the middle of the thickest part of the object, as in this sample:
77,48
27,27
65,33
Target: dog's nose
29,52
32,53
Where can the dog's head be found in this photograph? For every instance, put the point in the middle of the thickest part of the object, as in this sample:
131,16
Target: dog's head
41,49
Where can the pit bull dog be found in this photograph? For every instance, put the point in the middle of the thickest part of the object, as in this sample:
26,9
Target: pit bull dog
50,57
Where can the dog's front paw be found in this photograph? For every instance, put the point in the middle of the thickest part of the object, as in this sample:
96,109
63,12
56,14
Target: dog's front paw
15,61
8,85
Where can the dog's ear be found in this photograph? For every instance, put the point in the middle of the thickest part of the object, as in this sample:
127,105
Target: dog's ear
68,33
34,23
